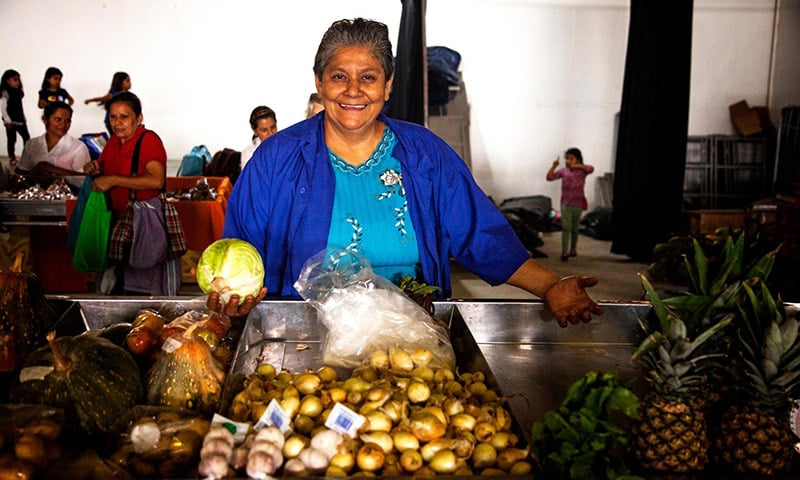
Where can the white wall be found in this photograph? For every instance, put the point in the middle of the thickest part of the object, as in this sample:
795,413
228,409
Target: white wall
541,75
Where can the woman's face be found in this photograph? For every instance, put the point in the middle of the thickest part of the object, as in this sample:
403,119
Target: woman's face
353,89
265,127
126,84
57,125
123,120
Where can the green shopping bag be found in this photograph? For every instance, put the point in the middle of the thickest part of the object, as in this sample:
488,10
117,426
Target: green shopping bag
91,248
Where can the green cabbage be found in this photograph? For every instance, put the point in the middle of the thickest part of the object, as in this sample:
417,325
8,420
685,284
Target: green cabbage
230,267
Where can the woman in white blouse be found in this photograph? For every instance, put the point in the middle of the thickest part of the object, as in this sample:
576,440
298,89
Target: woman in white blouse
54,152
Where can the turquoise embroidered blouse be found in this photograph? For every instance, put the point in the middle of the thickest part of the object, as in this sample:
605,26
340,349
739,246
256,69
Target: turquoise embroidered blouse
370,212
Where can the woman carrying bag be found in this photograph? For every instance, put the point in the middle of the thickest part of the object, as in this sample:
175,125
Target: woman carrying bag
132,169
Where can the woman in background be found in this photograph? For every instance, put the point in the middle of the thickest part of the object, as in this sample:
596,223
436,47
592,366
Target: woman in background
573,200
113,175
263,123
54,152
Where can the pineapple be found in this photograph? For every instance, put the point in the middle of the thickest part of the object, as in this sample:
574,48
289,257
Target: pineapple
755,436
671,434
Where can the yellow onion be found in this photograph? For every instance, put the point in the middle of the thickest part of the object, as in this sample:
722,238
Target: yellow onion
411,460
303,424
510,456
379,359
394,409
308,383
355,398
266,371
437,411
453,388
490,396
462,421
442,375
452,406
427,426
368,374
502,419
400,360
294,445
423,373
382,439
257,409
502,440
344,460
418,392
463,446
311,406
284,376
290,391
425,472
444,461
520,468
478,377
356,384
484,455
378,393
421,356
327,374
429,449
370,457
378,421
335,394
335,472
484,431
404,441
290,406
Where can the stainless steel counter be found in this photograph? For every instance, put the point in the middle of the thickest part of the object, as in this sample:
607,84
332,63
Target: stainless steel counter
531,358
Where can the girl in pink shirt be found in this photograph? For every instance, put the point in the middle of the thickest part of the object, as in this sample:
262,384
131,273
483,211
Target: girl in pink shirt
573,200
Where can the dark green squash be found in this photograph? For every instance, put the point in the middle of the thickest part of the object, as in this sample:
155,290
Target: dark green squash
25,314
93,380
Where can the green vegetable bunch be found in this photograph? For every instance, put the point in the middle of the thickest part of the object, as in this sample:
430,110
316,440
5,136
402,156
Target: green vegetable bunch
582,438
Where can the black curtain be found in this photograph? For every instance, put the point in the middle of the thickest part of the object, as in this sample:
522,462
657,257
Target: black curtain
653,123
407,101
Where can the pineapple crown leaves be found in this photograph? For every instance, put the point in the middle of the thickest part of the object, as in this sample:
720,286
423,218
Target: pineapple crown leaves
770,346
706,294
417,288
676,363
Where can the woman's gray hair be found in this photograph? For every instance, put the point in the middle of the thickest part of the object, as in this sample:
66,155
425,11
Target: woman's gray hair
358,31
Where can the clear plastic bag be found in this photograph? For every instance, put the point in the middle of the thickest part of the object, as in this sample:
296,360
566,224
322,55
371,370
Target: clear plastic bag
365,312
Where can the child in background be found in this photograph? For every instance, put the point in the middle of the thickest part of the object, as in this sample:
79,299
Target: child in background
11,94
51,89
573,200
120,82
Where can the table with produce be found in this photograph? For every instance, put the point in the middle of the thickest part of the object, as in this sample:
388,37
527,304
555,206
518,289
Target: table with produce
364,378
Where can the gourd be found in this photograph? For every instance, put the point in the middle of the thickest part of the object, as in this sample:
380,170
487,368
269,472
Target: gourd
91,378
25,314
186,375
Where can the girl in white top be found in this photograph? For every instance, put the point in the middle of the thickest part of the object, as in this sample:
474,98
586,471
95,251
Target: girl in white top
54,152
264,124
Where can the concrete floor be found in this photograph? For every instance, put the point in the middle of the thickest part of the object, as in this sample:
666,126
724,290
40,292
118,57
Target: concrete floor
617,273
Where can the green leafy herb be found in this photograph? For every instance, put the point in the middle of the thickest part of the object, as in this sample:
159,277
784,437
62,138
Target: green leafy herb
581,439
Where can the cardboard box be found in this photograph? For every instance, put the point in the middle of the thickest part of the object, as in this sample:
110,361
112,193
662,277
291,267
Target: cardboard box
749,120
707,221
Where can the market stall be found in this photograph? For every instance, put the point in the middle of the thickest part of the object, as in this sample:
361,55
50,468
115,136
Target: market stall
39,228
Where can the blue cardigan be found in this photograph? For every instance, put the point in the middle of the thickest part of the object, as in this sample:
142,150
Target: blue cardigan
283,199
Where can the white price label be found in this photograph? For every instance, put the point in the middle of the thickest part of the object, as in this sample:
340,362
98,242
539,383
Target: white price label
238,429
274,416
344,420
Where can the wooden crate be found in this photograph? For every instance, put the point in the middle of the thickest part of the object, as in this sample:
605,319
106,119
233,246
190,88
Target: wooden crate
707,221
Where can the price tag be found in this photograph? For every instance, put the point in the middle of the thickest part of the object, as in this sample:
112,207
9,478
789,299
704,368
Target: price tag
238,429
274,416
344,420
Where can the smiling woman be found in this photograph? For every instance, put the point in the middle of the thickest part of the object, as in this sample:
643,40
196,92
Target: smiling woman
352,177
54,152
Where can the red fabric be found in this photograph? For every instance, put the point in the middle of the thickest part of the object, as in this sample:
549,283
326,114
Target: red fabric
116,160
